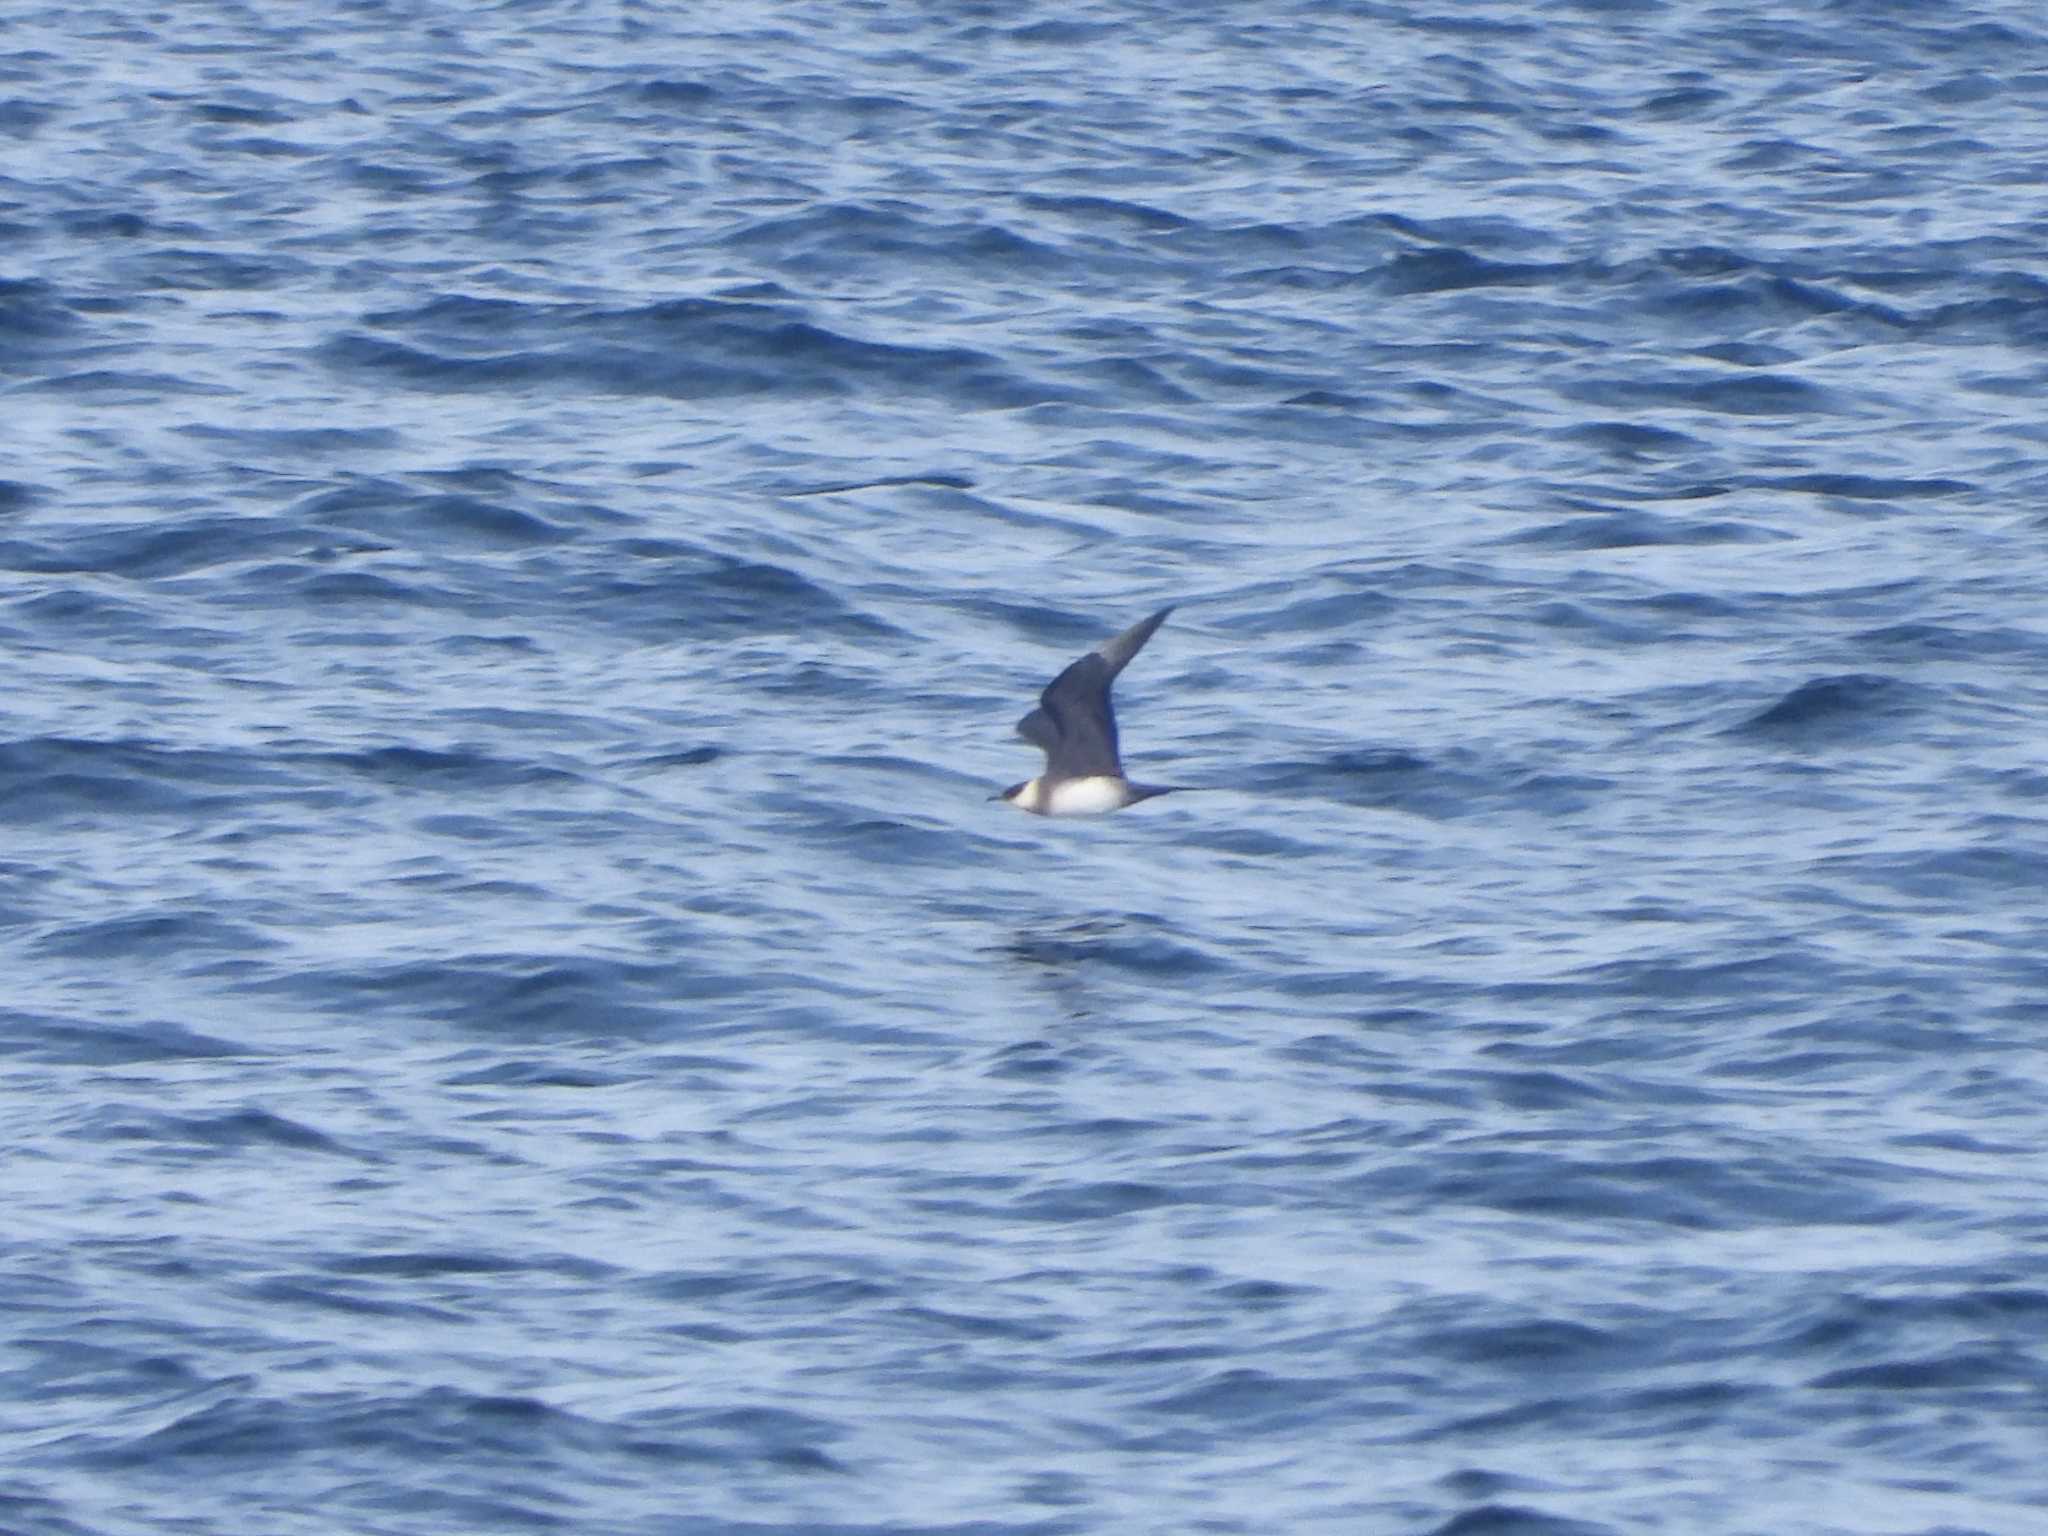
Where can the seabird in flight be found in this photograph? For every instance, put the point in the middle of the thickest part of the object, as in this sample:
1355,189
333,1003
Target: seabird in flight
1075,727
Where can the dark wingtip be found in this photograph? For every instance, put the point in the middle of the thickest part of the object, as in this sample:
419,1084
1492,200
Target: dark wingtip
1118,652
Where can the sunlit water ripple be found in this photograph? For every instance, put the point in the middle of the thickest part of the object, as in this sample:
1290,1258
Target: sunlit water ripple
528,527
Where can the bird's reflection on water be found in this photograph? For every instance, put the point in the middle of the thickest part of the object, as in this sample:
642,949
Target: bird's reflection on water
1087,964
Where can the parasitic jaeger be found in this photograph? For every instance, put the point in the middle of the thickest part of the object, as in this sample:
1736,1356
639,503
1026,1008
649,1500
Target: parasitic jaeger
1075,726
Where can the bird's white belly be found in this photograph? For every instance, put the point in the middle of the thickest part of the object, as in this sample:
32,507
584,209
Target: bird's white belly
1086,797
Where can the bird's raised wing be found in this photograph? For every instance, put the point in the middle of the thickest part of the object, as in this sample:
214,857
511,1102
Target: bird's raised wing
1074,723
1038,729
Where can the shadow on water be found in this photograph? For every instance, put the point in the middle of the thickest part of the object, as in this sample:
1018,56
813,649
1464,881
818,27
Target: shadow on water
1082,963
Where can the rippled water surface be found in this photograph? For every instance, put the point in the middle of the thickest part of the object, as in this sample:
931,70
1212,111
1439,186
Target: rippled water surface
526,530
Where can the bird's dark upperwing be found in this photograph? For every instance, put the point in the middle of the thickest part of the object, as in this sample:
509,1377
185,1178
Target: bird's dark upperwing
1074,724
1038,729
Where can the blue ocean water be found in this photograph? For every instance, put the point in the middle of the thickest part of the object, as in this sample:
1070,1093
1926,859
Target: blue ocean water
526,530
